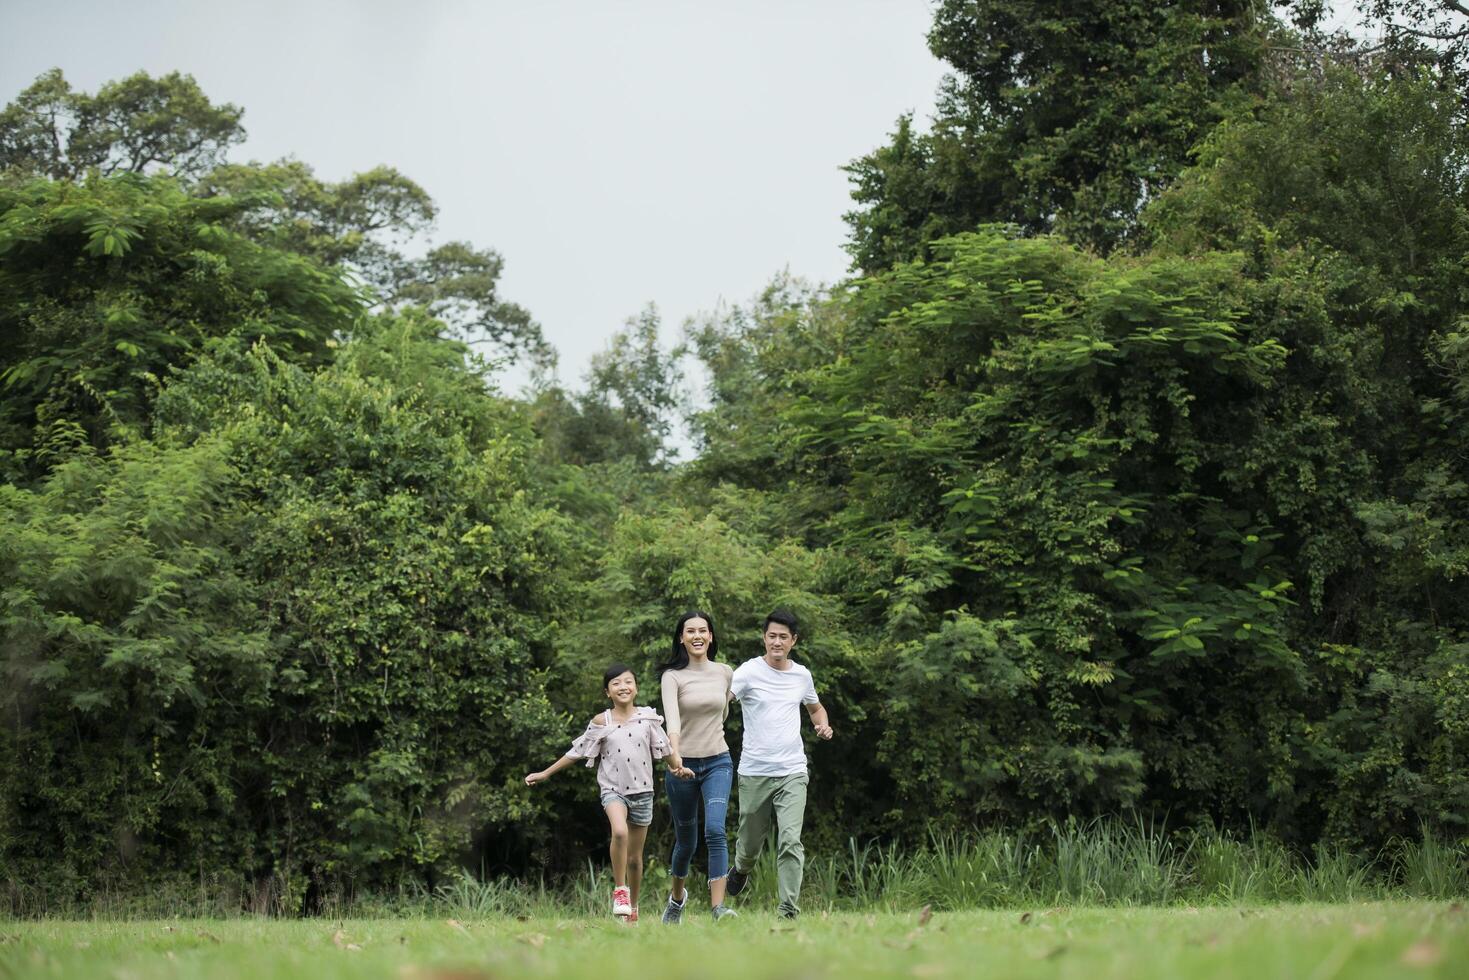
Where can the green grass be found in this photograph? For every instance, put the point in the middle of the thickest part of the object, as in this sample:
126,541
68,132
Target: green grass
1298,941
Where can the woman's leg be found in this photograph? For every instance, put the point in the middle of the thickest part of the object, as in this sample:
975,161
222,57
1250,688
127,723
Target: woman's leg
636,838
683,805
617,818
715,791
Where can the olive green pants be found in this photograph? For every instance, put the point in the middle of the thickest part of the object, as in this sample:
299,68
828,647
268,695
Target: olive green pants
782,800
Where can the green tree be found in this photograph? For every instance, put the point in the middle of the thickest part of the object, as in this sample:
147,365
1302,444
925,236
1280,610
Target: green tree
138,125
298,637
634,396
369,223
1058,116
106,284
752,354
1347,197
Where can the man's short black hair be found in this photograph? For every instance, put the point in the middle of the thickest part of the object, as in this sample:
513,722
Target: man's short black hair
785,618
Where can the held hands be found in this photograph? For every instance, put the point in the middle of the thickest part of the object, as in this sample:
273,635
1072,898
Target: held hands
681,771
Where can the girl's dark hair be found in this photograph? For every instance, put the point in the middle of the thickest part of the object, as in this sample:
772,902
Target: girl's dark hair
613,672
679,658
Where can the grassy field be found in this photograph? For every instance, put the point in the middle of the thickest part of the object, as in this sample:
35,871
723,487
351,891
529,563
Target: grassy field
1310,942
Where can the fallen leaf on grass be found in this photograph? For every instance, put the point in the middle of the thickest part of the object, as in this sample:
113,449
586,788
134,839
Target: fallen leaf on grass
1425,952
924,914
455,924
897,944
1052,953
1025,918
534,939
206,934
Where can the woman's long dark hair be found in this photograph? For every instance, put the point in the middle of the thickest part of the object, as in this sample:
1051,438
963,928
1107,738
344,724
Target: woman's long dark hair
679,658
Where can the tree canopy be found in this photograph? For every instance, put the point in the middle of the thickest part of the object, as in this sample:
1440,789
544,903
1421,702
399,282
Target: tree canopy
1127,476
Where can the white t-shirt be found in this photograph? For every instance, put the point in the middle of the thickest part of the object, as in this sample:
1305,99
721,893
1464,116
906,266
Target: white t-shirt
771,702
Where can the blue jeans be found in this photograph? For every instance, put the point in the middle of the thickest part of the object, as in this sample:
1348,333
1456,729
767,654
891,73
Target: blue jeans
712,777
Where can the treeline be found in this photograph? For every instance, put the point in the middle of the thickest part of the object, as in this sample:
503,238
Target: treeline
1127,474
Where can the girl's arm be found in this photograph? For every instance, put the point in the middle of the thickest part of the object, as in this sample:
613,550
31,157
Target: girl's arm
553,769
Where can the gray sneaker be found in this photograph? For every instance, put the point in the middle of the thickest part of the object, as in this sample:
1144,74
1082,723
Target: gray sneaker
673,912
723,912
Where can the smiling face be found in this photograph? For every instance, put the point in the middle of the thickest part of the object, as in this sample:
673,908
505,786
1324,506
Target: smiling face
778,643
623,689
696,638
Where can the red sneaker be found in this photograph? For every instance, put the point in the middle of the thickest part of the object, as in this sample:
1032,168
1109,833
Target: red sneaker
621,901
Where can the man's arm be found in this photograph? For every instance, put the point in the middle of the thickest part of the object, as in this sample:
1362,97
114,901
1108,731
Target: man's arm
817,711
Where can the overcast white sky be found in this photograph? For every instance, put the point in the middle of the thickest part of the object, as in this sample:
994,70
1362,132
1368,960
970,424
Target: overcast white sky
615,153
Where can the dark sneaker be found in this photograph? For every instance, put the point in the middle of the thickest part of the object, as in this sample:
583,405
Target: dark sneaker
736,882
723,912
784,914
673,912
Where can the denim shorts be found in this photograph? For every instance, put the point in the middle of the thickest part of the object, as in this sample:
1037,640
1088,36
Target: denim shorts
639,806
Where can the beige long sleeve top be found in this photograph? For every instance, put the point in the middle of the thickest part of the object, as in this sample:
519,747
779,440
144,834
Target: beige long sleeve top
695,704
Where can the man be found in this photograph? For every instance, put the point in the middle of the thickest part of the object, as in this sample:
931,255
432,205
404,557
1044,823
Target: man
771,690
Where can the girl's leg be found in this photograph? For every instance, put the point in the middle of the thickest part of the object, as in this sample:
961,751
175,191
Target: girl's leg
617,818
683,805
636,838
715,790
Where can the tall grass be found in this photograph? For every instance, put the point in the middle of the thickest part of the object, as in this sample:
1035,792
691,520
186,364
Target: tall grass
1430,868
1116,862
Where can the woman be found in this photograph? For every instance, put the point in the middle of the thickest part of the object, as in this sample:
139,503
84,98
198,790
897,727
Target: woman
695,703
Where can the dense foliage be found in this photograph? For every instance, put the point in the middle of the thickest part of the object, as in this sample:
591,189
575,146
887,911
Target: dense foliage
292,595
1057,115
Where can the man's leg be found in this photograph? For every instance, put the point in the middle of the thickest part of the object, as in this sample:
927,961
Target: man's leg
789,803
755,813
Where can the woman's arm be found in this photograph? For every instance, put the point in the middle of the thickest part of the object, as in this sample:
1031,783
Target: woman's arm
672,725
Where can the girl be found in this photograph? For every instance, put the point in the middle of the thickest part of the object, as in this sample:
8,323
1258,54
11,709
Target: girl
696,701
622,744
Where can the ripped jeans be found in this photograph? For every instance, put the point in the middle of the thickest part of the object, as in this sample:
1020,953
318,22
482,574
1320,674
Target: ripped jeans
712,778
